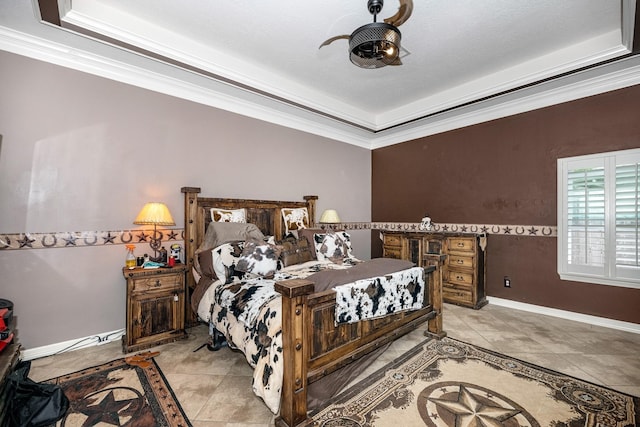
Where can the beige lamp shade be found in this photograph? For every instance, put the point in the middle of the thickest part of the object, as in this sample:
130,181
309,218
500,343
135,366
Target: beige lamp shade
154,213
329,216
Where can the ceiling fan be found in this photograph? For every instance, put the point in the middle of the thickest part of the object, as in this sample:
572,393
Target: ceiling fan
377,44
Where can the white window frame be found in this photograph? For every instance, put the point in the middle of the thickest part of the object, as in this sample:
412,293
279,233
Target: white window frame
609,273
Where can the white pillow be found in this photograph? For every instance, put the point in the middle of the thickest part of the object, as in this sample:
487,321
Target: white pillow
228,215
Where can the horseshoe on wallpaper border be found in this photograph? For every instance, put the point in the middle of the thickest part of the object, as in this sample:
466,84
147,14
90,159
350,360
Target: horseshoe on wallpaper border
519,230
6,242
47,245
130,237
495,229
547,228
95,240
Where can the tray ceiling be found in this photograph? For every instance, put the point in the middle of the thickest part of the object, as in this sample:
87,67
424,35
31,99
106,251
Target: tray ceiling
460,56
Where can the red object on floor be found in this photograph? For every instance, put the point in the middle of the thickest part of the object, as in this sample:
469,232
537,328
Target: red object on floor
3,343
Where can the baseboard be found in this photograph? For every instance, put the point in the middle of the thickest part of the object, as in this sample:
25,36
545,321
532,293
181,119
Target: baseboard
71,345
569,315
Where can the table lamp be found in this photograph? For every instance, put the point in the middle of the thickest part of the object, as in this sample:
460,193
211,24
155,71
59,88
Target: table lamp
155,213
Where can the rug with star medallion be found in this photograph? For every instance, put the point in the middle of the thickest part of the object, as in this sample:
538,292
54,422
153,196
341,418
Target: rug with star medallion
126,392
450,383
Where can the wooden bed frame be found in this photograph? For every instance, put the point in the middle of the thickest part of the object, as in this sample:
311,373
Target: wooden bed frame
312,345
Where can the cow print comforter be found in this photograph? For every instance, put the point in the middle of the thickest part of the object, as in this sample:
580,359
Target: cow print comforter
248,313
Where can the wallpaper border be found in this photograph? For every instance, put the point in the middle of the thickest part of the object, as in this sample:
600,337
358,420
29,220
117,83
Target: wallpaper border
507,230
73,239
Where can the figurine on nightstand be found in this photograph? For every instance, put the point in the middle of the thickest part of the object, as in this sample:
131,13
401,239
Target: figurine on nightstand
176,252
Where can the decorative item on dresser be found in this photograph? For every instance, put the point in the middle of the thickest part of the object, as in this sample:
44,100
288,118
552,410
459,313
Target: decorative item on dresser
155,306
464,273
299,339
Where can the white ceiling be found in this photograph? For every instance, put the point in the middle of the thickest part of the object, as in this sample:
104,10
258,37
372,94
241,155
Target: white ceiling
265,55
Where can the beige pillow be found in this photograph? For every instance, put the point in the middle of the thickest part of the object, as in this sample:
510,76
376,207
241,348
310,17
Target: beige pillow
223,232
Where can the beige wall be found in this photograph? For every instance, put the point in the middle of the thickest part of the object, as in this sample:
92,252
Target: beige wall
81,153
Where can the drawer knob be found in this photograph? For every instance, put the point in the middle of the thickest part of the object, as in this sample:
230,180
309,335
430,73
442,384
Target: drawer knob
460,261
157,283
459,278
460,244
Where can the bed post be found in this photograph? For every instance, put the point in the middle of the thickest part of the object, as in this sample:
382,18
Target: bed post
190,230
311,207
293,402
434,326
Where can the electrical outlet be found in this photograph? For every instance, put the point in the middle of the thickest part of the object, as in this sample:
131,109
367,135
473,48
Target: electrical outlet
507,282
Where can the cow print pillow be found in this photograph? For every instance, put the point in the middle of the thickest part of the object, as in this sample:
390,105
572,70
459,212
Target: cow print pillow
225,261
333,246
259,258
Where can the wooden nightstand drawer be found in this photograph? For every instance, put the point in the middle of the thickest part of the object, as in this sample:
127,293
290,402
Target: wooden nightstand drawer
157,283
461,278
392,240
461,261
461,244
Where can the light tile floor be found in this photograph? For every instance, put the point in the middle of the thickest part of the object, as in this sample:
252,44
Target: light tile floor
214,388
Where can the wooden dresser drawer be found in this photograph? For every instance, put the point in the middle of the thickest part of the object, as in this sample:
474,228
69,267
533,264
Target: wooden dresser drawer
461,261
392,240
461,278
456,295
157,283
461,244
392,252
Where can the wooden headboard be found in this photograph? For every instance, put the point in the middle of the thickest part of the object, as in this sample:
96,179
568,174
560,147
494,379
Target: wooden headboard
263,213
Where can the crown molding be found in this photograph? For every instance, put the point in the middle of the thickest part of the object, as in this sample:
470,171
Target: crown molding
187,85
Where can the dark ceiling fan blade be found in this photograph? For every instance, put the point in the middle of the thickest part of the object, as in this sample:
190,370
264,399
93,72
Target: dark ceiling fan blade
404,13
332,39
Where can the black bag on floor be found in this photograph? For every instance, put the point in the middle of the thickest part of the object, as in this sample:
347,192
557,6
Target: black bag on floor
33,404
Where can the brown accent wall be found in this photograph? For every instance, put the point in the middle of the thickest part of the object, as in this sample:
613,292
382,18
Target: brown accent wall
504,172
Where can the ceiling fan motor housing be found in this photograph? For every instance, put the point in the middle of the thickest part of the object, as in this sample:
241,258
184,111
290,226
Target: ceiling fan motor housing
374,45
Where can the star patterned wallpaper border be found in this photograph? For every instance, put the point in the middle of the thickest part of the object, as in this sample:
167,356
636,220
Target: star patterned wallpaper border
72,239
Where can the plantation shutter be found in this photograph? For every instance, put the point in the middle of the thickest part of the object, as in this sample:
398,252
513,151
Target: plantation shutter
586,217
599,218
627,218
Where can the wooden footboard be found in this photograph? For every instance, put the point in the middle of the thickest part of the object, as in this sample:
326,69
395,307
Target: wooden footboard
314,346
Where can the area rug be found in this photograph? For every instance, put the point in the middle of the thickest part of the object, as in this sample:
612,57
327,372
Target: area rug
125,392
450,383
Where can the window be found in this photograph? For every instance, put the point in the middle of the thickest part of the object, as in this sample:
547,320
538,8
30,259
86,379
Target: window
599,218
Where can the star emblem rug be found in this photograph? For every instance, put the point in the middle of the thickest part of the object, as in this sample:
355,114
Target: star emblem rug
450,383
124,392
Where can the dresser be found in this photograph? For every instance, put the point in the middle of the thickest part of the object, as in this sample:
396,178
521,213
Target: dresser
464,272
155,306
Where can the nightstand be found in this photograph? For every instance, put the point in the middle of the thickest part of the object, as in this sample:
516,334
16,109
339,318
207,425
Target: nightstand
155,306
